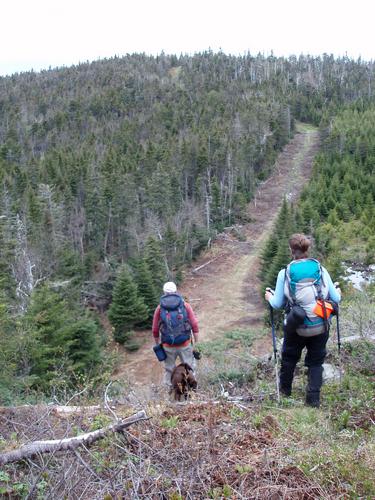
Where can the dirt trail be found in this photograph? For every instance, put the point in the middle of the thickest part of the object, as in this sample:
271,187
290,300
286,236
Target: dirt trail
225,293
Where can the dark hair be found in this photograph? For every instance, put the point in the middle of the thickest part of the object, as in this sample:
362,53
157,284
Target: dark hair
299,245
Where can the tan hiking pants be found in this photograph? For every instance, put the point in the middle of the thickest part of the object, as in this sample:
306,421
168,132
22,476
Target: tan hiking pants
184,353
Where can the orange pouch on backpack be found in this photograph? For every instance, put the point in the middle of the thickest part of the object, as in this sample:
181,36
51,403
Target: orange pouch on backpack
319,309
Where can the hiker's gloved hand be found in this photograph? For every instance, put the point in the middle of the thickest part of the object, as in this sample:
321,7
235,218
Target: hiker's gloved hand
337,286
268,295
197,354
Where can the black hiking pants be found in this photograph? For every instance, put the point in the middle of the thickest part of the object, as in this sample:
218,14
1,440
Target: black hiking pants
293,345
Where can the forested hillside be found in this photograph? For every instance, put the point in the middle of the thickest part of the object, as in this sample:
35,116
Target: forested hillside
338,206
95,159
140,160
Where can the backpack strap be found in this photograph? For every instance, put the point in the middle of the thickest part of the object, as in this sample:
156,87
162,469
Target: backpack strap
318,284
292,295
319,287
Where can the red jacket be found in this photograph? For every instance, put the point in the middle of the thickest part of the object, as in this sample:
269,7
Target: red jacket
192,320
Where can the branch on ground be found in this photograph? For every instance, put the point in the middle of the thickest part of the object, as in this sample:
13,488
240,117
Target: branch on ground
37,447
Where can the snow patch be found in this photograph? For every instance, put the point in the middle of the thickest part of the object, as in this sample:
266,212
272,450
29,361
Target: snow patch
359,275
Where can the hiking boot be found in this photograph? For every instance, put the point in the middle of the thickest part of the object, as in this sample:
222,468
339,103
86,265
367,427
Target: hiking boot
313,399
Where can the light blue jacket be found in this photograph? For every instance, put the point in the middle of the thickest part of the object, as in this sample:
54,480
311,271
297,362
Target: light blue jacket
278,300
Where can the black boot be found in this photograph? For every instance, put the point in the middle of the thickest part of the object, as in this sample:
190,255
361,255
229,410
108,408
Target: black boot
286,377
315,381
313,399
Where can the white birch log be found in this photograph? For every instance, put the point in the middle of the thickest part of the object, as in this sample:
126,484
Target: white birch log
202,266
57,409
49,446
206,264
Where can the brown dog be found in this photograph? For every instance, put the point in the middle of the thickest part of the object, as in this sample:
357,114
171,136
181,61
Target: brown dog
183,381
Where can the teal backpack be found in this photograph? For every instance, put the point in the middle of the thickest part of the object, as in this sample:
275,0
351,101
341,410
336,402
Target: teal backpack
303,286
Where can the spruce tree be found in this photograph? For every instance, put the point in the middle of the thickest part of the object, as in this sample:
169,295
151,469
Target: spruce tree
283,219
9,349
58,340
156,263
282,259
49,323
128,308
268,254
85,345
309,216
7,282
146,288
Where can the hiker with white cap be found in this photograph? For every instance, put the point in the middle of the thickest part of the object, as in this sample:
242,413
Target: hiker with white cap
173,326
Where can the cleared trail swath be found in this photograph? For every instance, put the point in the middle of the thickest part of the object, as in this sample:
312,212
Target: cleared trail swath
225,292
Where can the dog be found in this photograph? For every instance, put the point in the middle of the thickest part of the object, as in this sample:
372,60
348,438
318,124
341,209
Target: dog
183,381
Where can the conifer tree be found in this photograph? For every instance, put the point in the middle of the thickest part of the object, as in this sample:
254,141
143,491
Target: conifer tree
7,282
309,216
370,250
8,353
156,263
344,210
268,254
128,308
281,260
49,322
85,345
333,218
58,339
283,219
146,288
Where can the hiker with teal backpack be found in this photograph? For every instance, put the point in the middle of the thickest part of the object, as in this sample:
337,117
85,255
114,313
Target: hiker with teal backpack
306,291
174,327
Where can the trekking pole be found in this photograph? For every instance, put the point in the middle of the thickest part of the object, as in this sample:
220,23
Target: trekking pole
338,330
338,340
337,311
275,354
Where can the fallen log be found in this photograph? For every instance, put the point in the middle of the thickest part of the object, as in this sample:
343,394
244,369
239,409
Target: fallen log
206,263
57,409
49,446
202,266
72,410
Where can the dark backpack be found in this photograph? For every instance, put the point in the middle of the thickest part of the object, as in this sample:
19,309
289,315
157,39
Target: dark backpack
175,328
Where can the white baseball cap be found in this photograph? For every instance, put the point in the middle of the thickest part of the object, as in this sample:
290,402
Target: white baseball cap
169,287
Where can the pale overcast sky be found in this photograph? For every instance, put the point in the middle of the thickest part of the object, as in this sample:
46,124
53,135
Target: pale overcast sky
37,34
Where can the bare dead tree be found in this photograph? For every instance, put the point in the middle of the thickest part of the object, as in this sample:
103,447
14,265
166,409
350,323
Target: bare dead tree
23,266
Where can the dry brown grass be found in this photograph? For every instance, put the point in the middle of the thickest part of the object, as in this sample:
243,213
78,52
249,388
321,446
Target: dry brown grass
198,450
